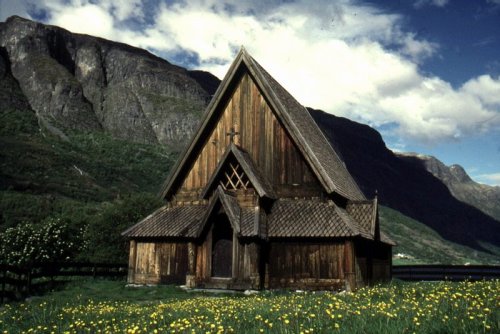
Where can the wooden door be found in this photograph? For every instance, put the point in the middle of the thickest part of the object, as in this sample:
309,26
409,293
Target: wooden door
222,247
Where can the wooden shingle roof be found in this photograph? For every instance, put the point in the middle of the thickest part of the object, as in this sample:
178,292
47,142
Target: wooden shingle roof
188,221
288,218
180,221
366,214
310,218
317,151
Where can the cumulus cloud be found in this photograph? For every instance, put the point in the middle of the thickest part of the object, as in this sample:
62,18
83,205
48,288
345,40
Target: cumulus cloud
347,58
338,58
88,19
491,179
485,88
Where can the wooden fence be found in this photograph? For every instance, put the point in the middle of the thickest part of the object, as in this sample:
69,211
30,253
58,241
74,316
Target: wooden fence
18,282
445,272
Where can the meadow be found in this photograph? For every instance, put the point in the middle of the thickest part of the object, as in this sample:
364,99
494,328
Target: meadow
110,307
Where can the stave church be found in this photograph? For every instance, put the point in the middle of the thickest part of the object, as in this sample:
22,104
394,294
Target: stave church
259,199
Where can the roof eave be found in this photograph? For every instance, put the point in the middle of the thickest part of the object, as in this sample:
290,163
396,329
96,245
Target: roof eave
126,233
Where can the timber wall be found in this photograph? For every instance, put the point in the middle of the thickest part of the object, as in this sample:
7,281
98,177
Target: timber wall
262,136
158,262
373,262
306,265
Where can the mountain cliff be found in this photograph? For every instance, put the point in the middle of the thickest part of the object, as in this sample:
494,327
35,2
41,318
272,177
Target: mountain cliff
461,186
404,183
75,81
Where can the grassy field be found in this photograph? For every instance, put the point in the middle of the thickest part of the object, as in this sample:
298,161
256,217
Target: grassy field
422,245
110,307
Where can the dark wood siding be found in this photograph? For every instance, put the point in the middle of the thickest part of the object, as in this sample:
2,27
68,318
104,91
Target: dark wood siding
303,264
373,262
158,262
262,136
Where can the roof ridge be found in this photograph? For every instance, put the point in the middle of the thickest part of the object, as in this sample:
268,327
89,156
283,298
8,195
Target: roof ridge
316,163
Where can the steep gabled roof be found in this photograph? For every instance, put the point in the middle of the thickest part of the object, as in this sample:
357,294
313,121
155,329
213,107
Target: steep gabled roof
317,151
259,181
231,208
242,220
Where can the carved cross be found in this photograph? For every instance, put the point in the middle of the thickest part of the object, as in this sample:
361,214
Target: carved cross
232,133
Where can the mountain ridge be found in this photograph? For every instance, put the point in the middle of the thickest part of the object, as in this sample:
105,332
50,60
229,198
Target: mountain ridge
403,183
461,185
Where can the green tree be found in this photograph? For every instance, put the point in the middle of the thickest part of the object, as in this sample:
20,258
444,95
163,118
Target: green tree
104,242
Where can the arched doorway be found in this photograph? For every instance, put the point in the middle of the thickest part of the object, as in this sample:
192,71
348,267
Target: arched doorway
222,247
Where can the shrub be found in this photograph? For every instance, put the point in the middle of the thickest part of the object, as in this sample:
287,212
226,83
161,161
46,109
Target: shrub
28,243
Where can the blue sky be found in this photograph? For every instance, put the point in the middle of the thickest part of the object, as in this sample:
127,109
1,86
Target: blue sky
425,73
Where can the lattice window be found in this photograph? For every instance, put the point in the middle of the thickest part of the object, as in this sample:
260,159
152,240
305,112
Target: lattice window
234,178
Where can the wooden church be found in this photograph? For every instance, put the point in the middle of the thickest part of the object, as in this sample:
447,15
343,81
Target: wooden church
259,199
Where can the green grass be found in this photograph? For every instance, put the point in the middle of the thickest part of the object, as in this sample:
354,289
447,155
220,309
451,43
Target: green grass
103,290
110,307
426,246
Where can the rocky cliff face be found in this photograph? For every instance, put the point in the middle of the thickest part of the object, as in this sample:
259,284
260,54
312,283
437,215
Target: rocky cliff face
461,186
75,81
404,183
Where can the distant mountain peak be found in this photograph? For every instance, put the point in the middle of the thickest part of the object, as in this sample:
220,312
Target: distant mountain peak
484,197
454,173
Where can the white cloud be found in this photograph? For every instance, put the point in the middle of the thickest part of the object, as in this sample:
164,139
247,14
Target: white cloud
103,18
346,58
485,88
490,179
340,64
87,19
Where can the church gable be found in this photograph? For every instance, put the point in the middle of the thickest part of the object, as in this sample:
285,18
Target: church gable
247,120
251,109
